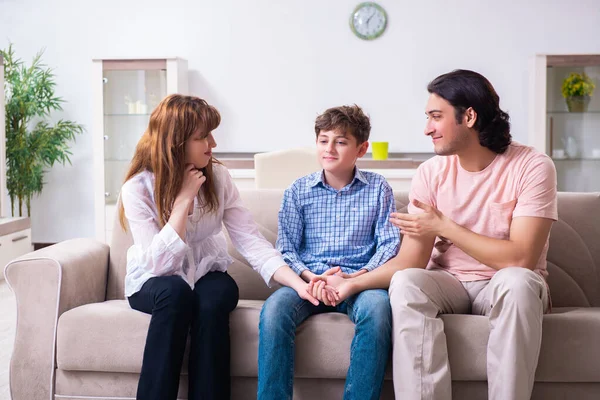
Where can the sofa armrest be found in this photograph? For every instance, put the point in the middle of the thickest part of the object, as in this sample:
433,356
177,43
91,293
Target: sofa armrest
46,283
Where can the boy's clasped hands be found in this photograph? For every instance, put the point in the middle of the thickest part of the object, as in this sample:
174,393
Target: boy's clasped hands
333,286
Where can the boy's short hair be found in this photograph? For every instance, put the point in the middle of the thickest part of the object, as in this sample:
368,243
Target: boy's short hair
351,120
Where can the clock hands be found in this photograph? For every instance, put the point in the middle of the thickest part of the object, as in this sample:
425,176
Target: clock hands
371,16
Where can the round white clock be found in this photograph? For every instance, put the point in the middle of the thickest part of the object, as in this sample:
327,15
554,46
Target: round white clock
368,20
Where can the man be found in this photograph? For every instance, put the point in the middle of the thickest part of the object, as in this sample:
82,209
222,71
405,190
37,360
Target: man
475,241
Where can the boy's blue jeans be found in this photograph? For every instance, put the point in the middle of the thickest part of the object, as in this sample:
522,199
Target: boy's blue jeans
284,311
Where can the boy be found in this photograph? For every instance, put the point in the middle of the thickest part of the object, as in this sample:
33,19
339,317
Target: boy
332,221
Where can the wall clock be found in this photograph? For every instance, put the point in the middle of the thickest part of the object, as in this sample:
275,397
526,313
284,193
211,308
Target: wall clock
368,20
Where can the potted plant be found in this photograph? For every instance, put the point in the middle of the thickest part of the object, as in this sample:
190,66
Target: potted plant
577,90
32,143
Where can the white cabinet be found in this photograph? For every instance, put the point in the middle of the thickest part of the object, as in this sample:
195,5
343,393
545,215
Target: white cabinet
571,138
125,93
14,245
15,239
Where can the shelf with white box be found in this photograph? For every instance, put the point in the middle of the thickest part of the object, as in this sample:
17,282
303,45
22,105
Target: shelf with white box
399,179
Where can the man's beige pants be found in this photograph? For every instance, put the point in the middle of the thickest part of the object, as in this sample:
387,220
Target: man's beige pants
515,300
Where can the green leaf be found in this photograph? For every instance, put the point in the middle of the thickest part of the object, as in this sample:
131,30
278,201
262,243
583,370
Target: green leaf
32,148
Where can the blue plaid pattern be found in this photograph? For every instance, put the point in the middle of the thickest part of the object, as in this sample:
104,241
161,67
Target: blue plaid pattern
320,227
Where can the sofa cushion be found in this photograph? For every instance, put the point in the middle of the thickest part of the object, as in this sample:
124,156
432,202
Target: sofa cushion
570,346
110,337
102,337
322,343
573,256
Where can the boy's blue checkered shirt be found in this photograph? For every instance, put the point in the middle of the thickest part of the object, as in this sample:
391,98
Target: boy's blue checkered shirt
320,227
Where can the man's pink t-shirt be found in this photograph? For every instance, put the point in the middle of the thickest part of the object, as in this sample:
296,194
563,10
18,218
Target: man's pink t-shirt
519,183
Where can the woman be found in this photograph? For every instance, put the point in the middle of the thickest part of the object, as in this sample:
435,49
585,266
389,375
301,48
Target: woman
175,198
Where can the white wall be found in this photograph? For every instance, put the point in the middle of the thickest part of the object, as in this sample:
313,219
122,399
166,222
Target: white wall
271,66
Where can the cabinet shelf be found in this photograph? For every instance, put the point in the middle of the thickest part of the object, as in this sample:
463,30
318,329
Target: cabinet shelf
573,112
117,160
127,115
576,159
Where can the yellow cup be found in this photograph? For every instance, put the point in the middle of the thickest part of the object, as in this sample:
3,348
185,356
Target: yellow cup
380,150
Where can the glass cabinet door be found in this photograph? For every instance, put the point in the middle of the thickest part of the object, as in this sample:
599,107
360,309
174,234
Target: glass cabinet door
573,130
129,96
125,92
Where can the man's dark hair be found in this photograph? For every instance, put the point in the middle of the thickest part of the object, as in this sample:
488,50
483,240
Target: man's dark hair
463,89
349,120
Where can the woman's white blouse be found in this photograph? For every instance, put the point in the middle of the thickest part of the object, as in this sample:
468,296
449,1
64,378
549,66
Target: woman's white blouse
160,252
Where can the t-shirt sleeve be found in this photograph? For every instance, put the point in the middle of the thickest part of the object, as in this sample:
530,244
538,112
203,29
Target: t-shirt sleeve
537,193
420,189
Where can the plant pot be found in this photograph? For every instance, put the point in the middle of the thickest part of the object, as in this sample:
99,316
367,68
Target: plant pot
578,103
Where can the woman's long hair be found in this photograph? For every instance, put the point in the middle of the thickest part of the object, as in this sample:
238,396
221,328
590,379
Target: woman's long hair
161,150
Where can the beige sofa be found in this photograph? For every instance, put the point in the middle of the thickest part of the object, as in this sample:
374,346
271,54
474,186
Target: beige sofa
77,338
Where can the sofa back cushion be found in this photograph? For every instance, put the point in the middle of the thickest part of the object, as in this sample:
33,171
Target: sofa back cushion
574,253
117,263
573,257
264,206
